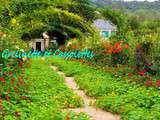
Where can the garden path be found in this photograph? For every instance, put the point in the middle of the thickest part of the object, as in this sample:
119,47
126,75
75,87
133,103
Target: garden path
94,113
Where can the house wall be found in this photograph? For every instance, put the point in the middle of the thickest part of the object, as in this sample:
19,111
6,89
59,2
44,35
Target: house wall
109,33
33,44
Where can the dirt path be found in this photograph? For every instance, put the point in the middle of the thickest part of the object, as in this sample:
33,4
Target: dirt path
94,113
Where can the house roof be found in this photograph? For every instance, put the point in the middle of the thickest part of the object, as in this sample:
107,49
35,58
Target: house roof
104,25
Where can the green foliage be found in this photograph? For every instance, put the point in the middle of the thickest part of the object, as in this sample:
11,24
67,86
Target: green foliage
130,6
28,16
134,22
116,17
48,95
73,116
84,8
130,100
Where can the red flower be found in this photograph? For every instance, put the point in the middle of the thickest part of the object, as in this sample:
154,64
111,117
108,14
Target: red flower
120,49
24,97
10,73
115,51
7,98
57,53
15,88
158,83
116,44
130,74
149,83
2,80
17,84
147,76
12,80
142,72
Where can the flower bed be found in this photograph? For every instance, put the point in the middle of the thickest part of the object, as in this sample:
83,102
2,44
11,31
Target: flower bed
114,94
47,96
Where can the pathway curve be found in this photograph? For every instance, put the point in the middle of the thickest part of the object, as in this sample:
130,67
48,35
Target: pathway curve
94,113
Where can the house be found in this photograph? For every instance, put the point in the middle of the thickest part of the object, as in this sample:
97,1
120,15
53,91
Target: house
105,27
46,40
40,44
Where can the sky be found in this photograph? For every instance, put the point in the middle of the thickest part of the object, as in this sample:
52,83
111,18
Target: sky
142,0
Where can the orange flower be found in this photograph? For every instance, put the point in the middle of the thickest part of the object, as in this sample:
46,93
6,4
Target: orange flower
116,44
110,51
126,46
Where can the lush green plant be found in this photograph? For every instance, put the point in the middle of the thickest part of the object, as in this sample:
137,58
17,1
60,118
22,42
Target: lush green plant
113,93
47,96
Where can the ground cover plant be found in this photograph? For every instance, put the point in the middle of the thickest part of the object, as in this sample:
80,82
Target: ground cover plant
13,87
47,96
131,100
124,75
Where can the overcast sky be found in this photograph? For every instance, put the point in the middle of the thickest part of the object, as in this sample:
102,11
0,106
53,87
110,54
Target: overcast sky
142,0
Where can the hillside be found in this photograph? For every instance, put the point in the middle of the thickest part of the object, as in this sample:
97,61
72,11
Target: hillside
130,6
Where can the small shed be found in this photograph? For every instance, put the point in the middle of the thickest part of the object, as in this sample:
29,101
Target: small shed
105,27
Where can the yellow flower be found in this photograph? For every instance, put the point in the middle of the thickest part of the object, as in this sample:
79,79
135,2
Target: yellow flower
113,93
13,21
65,101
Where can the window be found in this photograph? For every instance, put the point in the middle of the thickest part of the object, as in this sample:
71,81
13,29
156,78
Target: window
105,34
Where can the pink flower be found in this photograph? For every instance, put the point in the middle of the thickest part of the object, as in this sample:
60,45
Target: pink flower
115,58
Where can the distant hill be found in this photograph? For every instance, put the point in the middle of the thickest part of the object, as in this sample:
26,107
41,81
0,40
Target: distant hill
129,6
144,10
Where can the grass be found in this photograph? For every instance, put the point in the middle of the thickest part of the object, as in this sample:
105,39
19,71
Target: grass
49,95
132,101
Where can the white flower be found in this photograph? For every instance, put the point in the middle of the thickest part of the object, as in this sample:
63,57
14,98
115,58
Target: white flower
17,47
22,50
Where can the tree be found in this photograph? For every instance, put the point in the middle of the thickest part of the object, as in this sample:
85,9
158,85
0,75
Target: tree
116,17
46,14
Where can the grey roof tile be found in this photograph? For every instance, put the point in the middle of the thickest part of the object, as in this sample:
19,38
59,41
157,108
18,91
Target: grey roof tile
104,25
